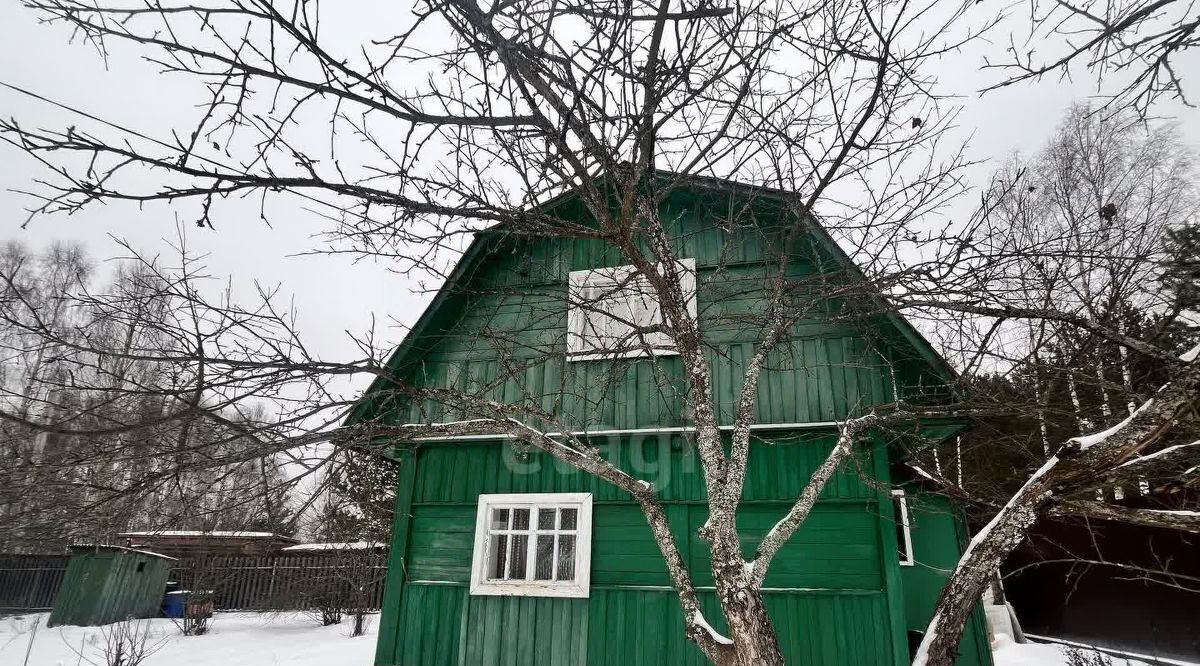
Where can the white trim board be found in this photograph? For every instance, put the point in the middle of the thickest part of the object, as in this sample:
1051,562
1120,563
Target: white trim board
810,425
901,499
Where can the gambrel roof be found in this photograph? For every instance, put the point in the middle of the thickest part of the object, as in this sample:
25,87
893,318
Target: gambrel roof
487,242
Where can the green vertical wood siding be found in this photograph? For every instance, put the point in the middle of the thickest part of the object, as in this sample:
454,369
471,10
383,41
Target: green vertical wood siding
827,590
512,631
810,379
107,584
935,525
459,472
443,626
498,330
387,649
428,628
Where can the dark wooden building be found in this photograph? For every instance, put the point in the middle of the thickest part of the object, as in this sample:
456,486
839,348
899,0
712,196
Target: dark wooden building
192,543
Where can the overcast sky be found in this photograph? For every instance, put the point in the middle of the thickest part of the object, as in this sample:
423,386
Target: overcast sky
335,294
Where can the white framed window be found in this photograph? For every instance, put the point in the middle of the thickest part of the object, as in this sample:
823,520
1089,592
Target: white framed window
533,545
903,528
608,306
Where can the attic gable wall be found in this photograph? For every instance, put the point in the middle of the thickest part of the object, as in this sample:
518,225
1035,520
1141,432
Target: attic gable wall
500,330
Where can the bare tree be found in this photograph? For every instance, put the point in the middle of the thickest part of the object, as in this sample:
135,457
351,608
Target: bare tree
1075,244
471,116
99,442
129,642
1136,47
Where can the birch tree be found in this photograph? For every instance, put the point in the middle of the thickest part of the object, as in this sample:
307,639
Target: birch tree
1077,244
87,427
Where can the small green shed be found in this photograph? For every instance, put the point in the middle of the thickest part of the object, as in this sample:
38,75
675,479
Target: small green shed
106,584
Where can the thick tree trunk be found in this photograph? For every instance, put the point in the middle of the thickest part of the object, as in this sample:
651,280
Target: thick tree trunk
752,640
1080,461
753,635
978,565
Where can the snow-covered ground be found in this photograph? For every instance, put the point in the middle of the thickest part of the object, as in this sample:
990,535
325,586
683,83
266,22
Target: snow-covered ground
236,639
284,639
1008,653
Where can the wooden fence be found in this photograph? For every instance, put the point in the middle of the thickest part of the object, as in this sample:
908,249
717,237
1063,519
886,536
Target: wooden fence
29,582
350,579
287,582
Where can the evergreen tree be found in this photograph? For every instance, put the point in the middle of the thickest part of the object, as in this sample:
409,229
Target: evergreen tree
361,492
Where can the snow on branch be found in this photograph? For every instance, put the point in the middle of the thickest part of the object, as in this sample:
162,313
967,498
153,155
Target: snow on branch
1191,355
1073,469
1085,442
1162,456
1187,521
699,621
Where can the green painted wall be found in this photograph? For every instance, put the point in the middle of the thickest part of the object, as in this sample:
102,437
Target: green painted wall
835,595
498,329
938,533
828,584
106,584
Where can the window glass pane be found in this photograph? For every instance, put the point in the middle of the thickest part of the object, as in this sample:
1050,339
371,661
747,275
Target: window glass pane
566,557
499,519
545,519
594,304
569,517
497,556
520,554
520,519
543,568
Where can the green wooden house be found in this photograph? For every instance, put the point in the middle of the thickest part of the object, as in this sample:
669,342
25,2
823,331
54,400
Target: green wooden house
501,555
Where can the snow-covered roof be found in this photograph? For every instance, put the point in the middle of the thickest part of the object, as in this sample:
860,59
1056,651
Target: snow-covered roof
348,545
104,546
202,533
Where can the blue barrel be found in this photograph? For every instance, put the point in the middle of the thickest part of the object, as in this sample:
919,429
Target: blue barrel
173,604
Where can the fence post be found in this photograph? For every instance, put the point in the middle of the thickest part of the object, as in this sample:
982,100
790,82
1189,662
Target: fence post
35,586
271,583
